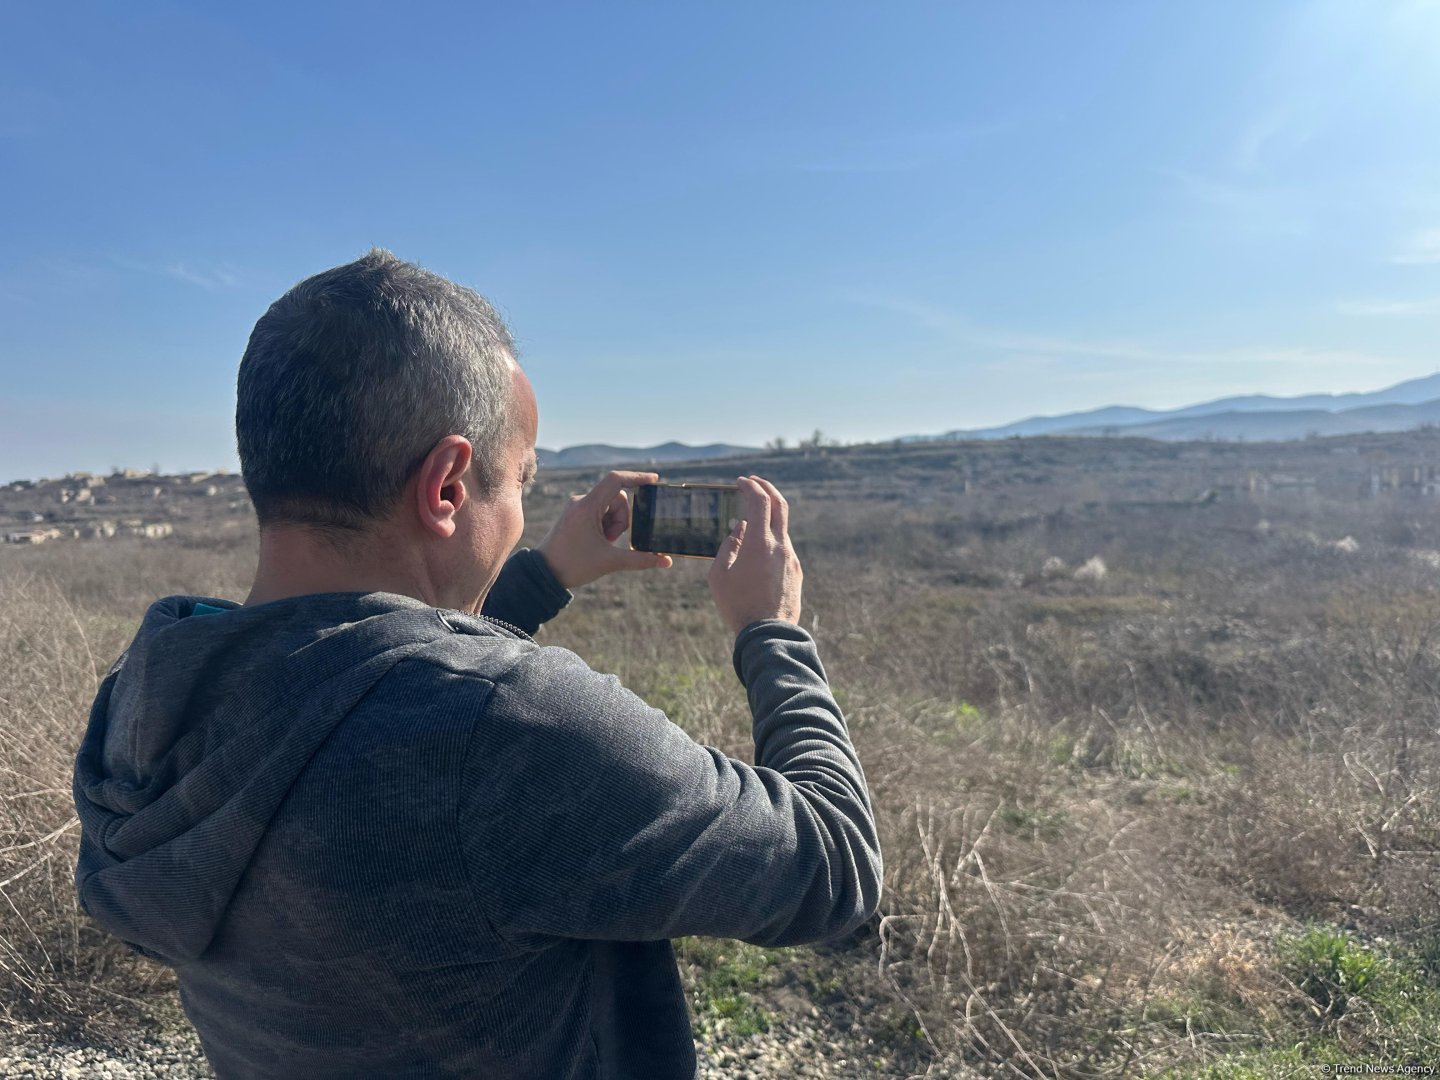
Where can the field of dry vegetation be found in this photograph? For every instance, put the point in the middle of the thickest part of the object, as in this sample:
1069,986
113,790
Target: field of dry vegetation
1156,757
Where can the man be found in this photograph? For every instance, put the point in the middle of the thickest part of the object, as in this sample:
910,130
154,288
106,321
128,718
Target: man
377,834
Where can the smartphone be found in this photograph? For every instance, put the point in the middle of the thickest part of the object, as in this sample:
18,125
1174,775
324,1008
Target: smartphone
692,520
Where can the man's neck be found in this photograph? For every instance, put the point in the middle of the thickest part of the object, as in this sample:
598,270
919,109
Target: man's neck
295,562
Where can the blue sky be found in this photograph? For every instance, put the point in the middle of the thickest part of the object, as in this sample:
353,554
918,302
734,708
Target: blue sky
722,221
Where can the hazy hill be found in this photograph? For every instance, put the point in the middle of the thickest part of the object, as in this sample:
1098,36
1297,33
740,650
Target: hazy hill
1280,426
1410,392
604,454
1246,417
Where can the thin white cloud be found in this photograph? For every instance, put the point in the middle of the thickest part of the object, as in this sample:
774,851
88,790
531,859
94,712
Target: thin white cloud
216,278
1422,247
1271,134
842,150
1259,133
1253,207
221,277
855,166
1213,192
1040,347
1390,307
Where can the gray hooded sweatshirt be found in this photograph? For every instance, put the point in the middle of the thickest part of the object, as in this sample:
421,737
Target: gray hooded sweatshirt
377,838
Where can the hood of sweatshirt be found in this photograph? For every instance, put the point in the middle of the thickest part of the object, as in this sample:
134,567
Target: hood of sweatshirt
198,732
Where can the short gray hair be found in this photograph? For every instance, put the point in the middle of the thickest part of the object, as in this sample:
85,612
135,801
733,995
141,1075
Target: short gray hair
351,378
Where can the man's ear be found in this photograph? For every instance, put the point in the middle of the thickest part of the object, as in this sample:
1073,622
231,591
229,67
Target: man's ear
440,487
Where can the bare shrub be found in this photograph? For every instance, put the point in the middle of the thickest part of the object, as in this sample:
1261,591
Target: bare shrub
1054,567
57,970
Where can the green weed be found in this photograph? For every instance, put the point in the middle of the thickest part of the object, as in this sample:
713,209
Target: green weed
724,980
1037,823
1329,967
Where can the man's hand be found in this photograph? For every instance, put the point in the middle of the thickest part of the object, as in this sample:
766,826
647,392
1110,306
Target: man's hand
580,546
756,574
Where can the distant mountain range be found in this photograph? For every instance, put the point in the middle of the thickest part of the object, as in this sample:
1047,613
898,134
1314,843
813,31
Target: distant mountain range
602,454
1257,417
1250,418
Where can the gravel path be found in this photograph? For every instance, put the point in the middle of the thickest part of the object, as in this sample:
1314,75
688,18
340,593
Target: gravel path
787,1051
172,1055
780,1052
801,1043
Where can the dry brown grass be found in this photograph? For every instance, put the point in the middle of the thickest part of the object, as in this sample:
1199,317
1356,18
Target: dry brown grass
1100,799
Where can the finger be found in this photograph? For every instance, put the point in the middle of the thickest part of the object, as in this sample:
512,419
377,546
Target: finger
779,508
756,513
729,549
615,480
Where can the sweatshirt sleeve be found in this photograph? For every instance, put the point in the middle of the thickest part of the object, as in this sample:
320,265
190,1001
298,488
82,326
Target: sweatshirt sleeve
526,593
589,814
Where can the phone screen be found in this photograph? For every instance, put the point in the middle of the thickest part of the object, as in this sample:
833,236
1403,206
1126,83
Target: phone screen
683,519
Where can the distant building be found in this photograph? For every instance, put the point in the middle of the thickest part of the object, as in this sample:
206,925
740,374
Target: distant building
1279,485
154,531
1227,493
1416,481
33,536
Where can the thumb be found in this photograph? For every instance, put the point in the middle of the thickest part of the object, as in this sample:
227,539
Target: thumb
630,559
